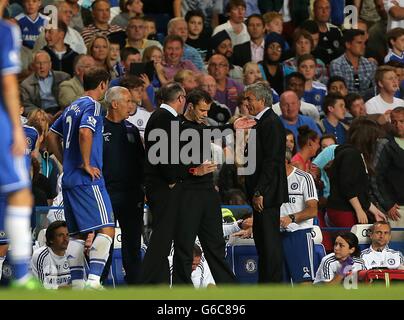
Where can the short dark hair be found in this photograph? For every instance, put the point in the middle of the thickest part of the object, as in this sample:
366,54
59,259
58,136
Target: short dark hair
393,34
350,98
94,77
255,15
194,13
126,52
50,231
197,95
350,34
352,241
131,81
395,64
328,136
330,100
297,75
62,26
335,79
97,1
310,26
235,3
305,135
172,38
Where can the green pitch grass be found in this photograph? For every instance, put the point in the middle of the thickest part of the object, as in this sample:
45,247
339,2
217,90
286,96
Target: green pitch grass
241,292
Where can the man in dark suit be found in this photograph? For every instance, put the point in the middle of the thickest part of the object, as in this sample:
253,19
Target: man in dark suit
267,187
162,182
253,50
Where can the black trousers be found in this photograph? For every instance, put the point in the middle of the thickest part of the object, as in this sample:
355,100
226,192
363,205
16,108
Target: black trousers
200,215
164,206
128,210
268,241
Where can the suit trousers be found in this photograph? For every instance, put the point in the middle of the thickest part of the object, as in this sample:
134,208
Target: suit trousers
268,241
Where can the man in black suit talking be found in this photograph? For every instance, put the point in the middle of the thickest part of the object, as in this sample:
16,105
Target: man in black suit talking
267,186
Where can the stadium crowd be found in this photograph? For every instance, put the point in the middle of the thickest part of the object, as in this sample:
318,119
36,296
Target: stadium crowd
331,152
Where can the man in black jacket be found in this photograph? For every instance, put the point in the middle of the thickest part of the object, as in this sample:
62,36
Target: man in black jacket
267,187
252,50
123,158
388,183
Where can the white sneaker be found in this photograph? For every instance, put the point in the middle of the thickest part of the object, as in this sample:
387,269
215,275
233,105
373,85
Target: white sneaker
92,285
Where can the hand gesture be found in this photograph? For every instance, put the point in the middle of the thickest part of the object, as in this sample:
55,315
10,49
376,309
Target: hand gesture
393,212
205,168
145,79
346,267
94,172
362,217
244,123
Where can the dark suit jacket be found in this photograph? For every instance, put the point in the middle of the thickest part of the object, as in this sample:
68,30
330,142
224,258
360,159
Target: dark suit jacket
242,54
269,177
161,174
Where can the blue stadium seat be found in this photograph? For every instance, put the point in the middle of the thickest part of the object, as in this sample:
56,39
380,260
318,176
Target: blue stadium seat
242,257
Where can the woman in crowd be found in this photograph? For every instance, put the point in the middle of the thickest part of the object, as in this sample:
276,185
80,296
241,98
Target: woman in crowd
99,49
309,143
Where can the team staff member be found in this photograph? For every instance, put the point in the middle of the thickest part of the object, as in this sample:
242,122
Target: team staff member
124,178
267,187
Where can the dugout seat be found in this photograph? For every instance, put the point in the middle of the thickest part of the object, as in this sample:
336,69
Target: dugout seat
362,231
242,257
319,250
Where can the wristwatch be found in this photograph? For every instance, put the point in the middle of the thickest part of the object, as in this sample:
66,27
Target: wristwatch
257,194
292,217
192,171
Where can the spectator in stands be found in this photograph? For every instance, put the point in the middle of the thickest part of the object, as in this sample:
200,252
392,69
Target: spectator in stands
385,101
31,22
173,53
150,28
227,89
197,37
72,89
387,184
395,14
129,9
124,179
128,56
303,43
296,224
317,51
290,141
187,79
357,71
218,113
272,69
296,83
314,91
81,17
395,40
139,114
41,89
355,104
336,84
101,10
179,27
335,266
273,22
334,110
327,140
155,54
99,49
309,142
349,177
136,35
235,26
221,44
62,56
72,36
379,255
253,50
290,117
50,263
330,35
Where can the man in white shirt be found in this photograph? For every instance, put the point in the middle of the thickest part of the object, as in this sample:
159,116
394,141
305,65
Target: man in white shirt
235,26
49,263
384,102
379,255
296,224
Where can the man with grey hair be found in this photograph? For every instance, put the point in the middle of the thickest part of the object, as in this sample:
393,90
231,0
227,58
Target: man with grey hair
124,178
71,90
179,27
267,187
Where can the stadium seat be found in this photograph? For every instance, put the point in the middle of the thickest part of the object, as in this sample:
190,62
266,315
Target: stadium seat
242,257
362,231
41,239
